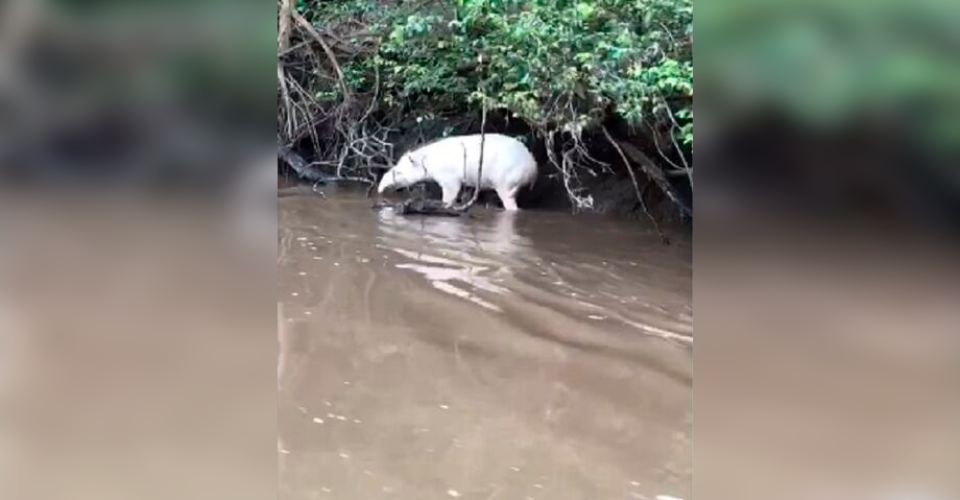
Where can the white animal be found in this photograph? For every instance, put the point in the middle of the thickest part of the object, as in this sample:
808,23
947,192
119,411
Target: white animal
453,163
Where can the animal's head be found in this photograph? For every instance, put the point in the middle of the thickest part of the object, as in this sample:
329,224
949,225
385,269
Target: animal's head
405,173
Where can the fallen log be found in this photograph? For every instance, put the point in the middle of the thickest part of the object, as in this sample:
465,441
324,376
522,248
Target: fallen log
307,172
655,173
419,206
299,165
299,190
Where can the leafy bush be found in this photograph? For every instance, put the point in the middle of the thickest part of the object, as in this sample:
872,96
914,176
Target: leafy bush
565,67
553,63
827,64
550,62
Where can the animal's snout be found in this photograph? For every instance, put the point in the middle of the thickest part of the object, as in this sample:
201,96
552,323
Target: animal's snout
387,182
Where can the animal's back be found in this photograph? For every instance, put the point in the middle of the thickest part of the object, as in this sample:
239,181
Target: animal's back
506,160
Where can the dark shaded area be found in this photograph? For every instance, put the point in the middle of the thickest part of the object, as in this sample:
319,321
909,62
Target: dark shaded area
871,169
605,179
108,100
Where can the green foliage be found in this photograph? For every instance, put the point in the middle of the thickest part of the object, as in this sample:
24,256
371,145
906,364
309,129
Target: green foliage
552,63
828,63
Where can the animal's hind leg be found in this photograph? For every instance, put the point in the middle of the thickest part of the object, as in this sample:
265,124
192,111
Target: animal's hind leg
509,199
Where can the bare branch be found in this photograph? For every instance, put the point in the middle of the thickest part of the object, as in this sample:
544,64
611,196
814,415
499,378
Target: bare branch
284,26
483,137
303,23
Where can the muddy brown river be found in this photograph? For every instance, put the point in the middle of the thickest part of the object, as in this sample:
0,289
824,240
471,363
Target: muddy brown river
502,356
533,355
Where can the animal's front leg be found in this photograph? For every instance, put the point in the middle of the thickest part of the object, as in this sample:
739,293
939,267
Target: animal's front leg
450,192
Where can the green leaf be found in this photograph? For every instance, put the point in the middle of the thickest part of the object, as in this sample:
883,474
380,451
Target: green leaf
585,10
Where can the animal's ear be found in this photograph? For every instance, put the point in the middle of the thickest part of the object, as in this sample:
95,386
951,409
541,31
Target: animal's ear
417,161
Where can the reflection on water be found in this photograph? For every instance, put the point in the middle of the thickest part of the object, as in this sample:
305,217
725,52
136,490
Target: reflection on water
525,355
453,258
465,257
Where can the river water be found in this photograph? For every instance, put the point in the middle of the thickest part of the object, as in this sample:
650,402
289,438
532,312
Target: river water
522,356
533,355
